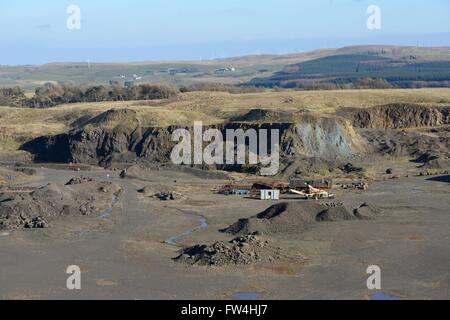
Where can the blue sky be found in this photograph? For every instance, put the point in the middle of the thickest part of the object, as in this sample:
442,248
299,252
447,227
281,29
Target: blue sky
34,32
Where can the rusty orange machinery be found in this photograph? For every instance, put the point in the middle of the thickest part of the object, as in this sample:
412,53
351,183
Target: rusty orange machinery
228,188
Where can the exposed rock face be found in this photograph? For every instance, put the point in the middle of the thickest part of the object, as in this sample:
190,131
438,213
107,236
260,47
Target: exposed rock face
117,135
119,143
322,137
50,149
401,116
405,143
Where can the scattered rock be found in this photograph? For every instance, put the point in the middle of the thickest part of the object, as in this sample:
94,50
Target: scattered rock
164,196
163,193
360,185
350,168
123,174
434,160
35,223
27,171
78,180
22,209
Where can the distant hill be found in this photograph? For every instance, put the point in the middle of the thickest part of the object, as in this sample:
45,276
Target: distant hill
388,51
404,67
413,65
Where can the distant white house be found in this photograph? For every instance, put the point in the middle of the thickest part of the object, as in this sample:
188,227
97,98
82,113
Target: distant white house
270,194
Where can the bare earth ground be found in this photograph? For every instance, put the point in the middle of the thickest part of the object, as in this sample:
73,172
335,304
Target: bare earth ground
124,256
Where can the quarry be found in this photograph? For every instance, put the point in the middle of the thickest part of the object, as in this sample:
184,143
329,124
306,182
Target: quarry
358,183
225,158
191,151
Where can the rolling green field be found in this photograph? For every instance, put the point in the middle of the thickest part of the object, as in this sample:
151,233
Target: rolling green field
30,77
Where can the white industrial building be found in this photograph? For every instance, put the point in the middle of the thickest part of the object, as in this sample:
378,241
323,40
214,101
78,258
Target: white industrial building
270,194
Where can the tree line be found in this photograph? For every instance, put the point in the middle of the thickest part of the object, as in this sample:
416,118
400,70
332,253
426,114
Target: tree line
51,95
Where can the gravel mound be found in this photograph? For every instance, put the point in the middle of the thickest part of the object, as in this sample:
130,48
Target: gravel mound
239,251
367,211
25,209
290,217
339,213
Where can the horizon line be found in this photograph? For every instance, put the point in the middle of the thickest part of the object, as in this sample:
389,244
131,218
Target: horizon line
170,61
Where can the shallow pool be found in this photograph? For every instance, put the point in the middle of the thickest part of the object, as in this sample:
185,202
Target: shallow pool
246,296
383,296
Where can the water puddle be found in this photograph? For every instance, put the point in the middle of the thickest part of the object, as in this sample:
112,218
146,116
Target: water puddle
246,296
108,212
173,240
81,233
105,214
383,296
